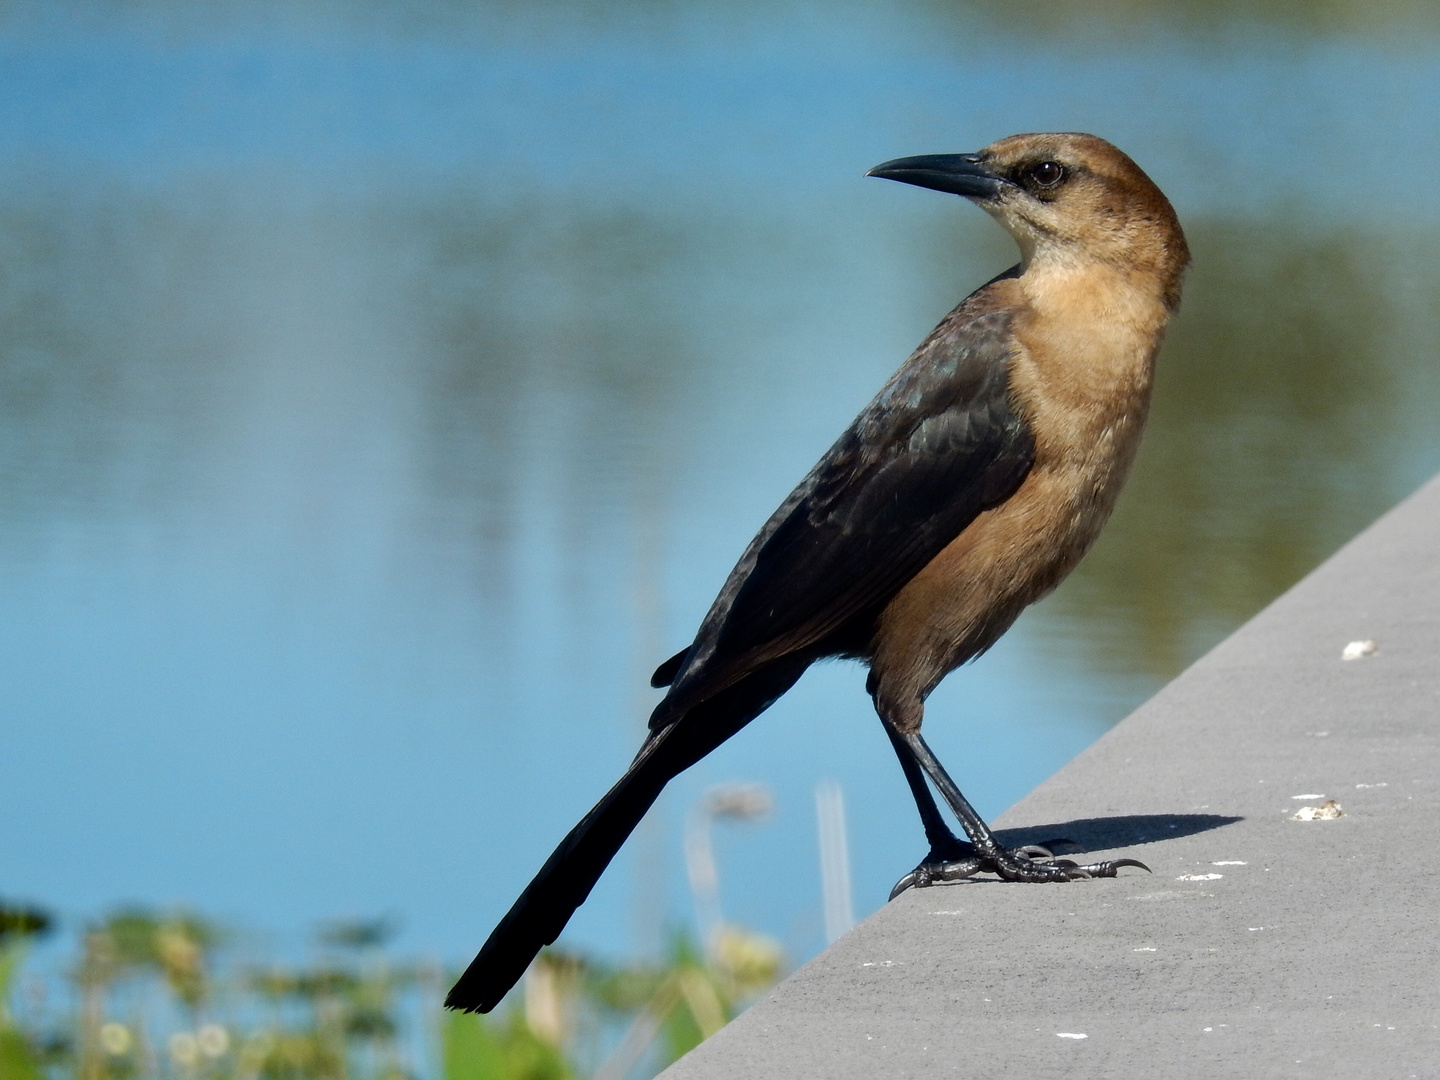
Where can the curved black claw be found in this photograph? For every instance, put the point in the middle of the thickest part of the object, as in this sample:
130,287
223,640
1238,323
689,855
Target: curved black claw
930,873
947,860
1109,866
1033,851
907,882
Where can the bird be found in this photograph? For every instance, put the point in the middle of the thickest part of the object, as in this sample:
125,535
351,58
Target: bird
967,489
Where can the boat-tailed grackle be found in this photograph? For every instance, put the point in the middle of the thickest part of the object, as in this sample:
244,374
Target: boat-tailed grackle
966,490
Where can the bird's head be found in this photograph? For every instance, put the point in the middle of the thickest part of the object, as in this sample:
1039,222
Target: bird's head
1066,198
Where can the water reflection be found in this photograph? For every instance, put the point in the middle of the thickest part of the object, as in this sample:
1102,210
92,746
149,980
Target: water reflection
546,342
1221,19
377,407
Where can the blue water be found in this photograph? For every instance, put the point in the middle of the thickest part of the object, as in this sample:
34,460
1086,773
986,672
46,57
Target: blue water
384,392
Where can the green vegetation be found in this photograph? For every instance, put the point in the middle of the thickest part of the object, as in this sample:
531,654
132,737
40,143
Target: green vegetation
156,995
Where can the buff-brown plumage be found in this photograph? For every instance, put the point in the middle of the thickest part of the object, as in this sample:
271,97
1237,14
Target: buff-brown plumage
1103,264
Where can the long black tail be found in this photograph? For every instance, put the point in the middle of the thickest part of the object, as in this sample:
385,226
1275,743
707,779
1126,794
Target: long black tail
537,917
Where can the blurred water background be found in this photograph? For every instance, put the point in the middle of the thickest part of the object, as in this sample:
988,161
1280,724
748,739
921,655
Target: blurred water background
386,388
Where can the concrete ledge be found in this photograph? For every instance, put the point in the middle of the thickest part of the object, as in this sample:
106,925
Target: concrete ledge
1261,947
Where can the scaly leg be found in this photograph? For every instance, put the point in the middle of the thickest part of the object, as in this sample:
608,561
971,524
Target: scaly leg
951,858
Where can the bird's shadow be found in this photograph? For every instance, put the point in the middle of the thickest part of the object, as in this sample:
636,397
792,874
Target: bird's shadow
1110,833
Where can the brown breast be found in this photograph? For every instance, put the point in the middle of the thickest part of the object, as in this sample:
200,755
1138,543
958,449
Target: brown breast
1086,340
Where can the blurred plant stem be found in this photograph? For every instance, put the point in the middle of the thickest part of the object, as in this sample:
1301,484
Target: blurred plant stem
18,1059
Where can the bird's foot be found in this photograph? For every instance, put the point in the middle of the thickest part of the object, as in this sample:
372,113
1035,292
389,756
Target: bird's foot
1032,862
949,859
931,873
1037,864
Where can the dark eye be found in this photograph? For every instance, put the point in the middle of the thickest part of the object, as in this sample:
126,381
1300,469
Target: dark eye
1048,173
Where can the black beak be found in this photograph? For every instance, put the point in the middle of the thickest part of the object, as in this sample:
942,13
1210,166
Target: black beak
959,174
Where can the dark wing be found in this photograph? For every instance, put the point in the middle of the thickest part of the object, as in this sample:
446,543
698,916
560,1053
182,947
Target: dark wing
940,444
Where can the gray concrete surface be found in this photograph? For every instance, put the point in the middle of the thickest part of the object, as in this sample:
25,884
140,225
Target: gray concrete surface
1260,947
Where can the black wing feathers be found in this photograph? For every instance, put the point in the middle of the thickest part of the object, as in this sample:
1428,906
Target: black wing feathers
666,672
940,444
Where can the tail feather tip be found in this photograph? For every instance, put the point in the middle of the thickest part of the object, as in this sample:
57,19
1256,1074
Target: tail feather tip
466,1000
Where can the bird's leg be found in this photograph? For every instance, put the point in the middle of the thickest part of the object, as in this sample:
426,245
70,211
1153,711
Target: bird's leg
986,853
950,858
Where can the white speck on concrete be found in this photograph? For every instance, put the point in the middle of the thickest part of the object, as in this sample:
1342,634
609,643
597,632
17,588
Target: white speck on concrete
1327,811
1071,1035
1359,649
1199,877
1310,795
1230,862
1371,785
